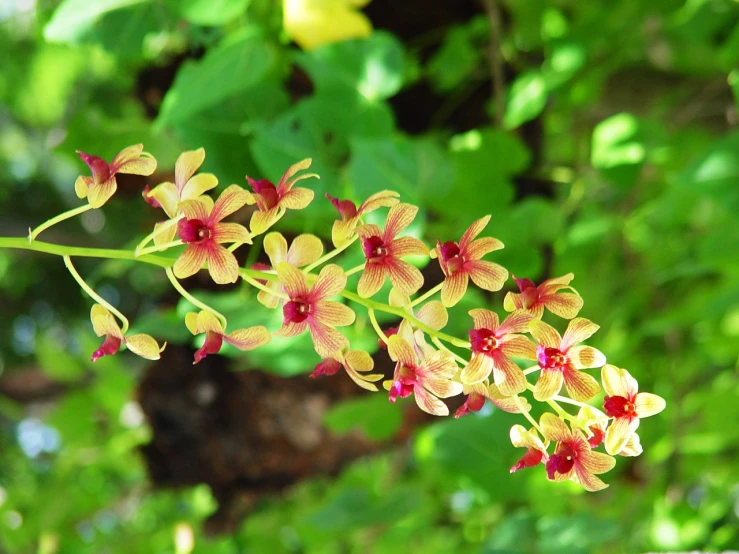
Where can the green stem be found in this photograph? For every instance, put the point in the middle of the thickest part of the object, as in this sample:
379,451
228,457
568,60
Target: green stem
354,270
526,414
160,247
427,294
376,326
95,296
150,236
531,370
566,400
460,359
194,301
32,234
326,257
256,284
82,252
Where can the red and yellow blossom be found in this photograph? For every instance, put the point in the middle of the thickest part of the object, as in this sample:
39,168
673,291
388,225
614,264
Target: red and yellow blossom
594,422
186,186
243,339
383,251
343,230
536,452
102,185
104,324
479,392
533,299
432,314
273,200
304,250
203,232
428,379
626,405
493,344
573,458
560,360
463,261
309,308
356,363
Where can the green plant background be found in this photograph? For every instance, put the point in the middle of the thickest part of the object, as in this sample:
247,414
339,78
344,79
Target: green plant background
617,159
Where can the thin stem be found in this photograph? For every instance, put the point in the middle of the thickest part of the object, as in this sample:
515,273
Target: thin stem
95,296
256,284
160,247
32,234
148,238
526,414
496,60
460,359
566,400
427,294
328,255
194,301
82,252
354,270
531,370
562,413
376,326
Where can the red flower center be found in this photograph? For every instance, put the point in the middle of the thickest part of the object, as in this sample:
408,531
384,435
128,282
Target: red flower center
452,257
193,230
474,403
98,166
483,340
374,249
562,461
212,345
530,459
296,311
401,388
524,284
551,358
618,406
326,367
267,192
110,346
597,438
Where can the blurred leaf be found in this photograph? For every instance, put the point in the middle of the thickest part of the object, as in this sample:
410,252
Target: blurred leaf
456,59
73,18
210,12
372,413
56,362
615,144
716,171
526,99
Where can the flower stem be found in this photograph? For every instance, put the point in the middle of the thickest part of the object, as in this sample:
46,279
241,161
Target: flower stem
161,228
326,257
354,270
526,414
194,301
256,284
95,296
460,359
531,370
427,294
566,400
32,234
160,247
376,326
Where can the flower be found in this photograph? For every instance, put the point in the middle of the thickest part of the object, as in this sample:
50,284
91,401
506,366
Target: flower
432,314
573,458
203,233
271,199
343,230
536,452
533,299
304,250
356,363
626,406
462,261
560,360
309,308
206,322
102,185
186,186
479,392
383,252
594,422
493,344
104,324
428,379
311,23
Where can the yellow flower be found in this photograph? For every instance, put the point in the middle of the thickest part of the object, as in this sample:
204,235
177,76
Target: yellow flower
104,324
311,23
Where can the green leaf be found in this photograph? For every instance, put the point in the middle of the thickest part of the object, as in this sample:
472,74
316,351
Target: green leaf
73,18
374,66
56,362
373,414
455,61
226,71
210,12
615,142
526,99
716,172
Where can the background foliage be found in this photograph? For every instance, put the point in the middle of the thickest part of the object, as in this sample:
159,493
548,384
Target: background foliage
616,157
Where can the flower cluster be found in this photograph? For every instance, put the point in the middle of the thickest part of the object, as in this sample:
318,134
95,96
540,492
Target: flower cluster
501,360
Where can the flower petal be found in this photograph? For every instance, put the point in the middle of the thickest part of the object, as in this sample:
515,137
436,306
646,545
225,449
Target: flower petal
564,304
222,264
398,218
521,438
478,248
433,314
486,275
472,231
597,462
199,185
577,331
292,329
275,246
618,382
554,429
249,339
333,313
619,432
205,321
145,346
103,322
82,186
585,357
371,280
369,230
407,246
330,282
194,209
589,481
485,319
164,231
549,383
129,153
359,360
515,323
363,380
443,388
632,447
326,340
400,351
304,250
97,195
230,232
261,221
406,278
429,403
477,370
284,185
545,334
230,200
511,404
439,364
454,288
267,299
648,404
342,231
580,385
382,199
507,376
186,165
293,280
297,199
518,346
512,302
191,261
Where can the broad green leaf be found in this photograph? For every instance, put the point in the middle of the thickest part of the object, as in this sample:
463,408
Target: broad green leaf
73,18
210,12
56,362
526,99
716,171
456,59
615,142
373,414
